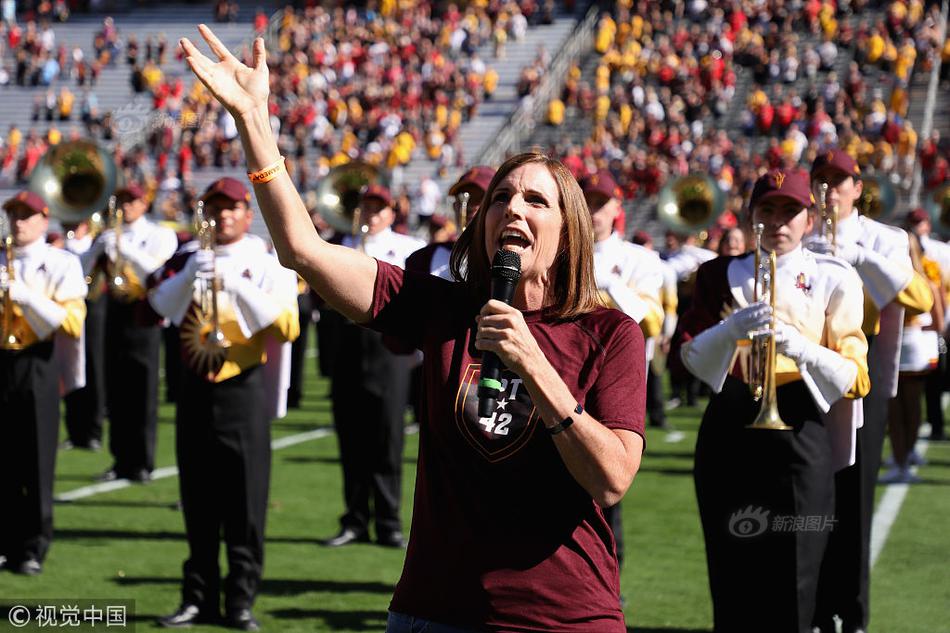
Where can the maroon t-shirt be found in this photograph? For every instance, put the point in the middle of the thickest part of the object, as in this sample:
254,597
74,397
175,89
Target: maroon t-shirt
502,535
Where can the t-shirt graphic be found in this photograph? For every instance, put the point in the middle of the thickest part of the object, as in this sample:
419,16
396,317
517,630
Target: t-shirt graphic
510,426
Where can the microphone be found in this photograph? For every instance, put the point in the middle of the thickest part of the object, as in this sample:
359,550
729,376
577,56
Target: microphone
505,273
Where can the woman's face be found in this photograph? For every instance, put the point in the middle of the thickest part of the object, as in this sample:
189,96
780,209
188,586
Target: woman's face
524,216
733,243
785,220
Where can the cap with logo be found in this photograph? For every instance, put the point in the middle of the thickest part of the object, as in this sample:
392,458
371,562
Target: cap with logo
783,183
479,176
132,189
835,160
601,182
28,199
230,188
380,193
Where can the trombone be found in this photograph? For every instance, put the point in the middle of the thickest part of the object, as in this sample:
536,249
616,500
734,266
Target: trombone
763,350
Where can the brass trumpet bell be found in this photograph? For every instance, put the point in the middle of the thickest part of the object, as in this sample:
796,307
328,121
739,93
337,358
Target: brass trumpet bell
690,203
338,197
75,179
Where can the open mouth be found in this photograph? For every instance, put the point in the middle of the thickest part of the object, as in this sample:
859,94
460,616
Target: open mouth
514,239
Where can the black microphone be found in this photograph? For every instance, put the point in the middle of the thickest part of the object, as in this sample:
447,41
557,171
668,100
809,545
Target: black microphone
505,273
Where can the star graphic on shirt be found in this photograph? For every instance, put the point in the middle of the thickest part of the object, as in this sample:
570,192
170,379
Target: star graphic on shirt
501,404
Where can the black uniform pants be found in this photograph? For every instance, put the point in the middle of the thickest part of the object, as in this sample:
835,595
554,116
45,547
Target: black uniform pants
656,404
934,387
29,424
845,572
614,518
298,349
370,392
222,443
85,407
171,339
132,357
765,501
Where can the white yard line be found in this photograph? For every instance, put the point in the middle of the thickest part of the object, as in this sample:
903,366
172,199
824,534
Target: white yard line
888,509
172,471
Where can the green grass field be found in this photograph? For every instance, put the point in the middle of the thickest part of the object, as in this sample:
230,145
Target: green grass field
129,544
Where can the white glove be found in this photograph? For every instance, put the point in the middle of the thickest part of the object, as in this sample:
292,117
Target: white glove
817,244
204,262
790,342
109,241
254,308
42,313
827,374
854,254
20,292
709,356
750,319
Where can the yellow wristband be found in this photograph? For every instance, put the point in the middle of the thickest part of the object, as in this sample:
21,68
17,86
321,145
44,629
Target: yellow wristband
268,173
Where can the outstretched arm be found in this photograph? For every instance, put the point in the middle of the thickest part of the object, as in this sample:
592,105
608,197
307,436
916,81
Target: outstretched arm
342,276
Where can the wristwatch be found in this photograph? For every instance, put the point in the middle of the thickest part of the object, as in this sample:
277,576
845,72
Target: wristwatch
566,422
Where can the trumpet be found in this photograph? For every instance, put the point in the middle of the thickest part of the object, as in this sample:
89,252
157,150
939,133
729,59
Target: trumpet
201,331
759,350
118,287
463,210
10,339
763,379
829,221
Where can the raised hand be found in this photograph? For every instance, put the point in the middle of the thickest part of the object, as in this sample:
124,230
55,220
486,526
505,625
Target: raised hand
239,89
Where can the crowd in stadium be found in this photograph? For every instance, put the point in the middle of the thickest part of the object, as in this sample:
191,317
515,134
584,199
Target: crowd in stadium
661,97
370,85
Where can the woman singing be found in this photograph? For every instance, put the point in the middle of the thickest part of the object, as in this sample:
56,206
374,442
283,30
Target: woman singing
507,529
766,497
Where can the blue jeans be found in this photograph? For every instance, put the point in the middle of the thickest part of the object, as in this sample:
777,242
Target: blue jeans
402,623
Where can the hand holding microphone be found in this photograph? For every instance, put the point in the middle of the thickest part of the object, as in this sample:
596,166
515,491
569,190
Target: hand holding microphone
501,329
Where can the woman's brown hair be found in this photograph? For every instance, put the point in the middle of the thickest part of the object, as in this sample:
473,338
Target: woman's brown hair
575,291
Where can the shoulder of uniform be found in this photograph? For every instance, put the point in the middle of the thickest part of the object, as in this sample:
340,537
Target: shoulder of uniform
830,264
885,232
167,231
188,247
61,257
840,272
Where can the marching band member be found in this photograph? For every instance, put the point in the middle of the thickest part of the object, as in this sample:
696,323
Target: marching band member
85,407
684,257
920,351
42,290
918,222
132,347
629,278
880,255
370,390
656,402
434,257
757,488
221,425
